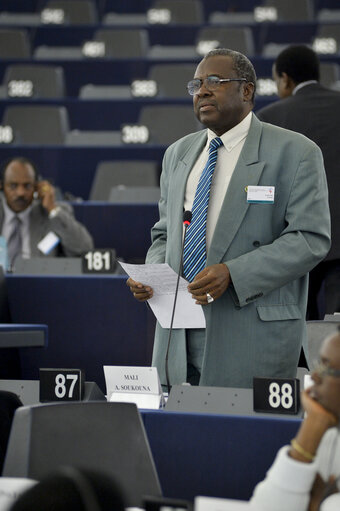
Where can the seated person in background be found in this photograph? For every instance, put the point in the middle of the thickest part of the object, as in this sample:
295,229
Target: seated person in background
25,221
74,490
307,473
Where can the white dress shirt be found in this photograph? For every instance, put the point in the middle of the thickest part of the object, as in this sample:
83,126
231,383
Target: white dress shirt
227,157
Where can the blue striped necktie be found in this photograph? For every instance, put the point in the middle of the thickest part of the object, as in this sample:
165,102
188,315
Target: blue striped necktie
195,253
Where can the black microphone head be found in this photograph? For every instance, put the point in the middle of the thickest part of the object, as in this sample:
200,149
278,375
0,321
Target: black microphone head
187,215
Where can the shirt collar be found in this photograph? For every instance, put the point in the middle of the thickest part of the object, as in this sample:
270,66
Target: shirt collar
10,214
232,137
303,84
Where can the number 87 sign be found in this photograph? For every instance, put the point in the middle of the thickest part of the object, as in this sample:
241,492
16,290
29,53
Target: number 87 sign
61,385
279,395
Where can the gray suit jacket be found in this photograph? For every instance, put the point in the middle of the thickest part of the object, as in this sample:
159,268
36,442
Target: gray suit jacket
74,237
256,327
314,111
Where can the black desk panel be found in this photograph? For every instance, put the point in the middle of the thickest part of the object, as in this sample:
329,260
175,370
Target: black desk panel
124,227
214,455
92,321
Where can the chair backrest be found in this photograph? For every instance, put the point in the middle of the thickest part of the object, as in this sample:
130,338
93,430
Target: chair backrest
128,43
292,10
317,331
329,30
14,44
109,437
76,12
134,194
41,125
48,81
172,79
182,11
238,38
9,402
167,123
329,73
123,172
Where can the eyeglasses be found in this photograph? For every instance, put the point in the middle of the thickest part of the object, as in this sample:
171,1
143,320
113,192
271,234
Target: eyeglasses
322,370
210,82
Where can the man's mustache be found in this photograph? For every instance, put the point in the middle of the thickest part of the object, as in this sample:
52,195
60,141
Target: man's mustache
20,200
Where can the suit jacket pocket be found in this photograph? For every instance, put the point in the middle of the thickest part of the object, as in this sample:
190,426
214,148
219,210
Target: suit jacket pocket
278,312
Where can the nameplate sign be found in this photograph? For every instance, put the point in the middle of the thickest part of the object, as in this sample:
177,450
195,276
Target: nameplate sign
61,384
277,395
99,261
139,385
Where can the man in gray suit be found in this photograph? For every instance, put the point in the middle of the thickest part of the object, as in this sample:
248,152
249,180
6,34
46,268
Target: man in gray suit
313,110
25,222
267,226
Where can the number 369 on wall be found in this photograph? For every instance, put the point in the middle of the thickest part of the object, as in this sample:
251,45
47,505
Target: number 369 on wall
279,395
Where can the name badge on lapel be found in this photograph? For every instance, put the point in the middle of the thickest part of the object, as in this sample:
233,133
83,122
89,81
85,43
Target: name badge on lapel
260,194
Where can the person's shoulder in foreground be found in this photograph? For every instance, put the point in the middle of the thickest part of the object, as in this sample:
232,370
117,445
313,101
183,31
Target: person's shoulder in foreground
305,476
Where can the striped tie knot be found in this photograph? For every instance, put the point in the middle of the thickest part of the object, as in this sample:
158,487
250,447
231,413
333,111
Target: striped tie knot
215,144
194,255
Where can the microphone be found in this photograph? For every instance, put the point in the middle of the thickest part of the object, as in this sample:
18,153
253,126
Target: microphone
187,215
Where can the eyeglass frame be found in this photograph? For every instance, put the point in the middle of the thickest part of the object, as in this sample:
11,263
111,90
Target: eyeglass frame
220,80
322,370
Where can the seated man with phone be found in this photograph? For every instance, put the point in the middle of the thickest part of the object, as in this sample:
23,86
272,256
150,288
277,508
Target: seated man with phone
31,221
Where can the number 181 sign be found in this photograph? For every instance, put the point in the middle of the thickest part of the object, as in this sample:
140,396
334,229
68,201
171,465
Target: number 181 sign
279,395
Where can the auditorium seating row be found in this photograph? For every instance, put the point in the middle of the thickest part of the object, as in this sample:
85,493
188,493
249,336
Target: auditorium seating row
179,42
195,11
138,80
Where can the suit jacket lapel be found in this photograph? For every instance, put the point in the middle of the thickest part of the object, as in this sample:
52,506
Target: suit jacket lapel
177,192
248,171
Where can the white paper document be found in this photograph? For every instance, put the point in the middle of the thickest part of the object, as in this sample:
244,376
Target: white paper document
162,279
217,504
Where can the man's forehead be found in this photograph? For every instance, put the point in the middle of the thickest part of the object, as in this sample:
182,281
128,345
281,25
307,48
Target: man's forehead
19,170
217,64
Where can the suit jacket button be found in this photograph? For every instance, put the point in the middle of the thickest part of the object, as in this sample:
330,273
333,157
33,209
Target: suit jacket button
256,243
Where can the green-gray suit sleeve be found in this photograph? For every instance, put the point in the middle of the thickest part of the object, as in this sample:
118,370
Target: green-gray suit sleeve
157,251
303,243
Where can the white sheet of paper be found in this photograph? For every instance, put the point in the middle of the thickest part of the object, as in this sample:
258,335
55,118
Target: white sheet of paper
48,242
163,280
218,504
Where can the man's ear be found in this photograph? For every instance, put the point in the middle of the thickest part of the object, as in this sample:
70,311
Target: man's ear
248,91
288,82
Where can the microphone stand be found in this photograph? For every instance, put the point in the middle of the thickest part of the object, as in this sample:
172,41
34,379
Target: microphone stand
186,224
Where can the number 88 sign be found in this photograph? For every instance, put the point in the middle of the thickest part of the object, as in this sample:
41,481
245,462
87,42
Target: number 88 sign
279,395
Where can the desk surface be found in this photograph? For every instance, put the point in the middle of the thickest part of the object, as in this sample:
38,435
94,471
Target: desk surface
17,336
